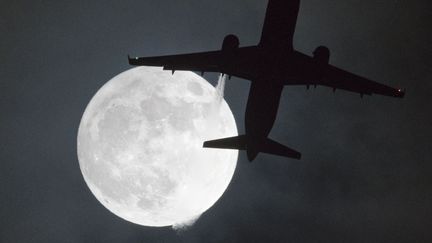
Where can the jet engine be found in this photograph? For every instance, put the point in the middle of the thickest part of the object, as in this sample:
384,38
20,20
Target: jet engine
230,43
322,55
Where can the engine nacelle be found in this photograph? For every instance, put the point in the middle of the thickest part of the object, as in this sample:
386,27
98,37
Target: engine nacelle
322,55
230,43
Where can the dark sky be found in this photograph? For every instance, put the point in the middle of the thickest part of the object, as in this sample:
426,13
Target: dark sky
366,171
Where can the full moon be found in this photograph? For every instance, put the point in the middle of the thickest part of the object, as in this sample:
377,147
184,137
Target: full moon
140,146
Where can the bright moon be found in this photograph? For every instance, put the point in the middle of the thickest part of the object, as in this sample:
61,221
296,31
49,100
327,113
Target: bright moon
140,146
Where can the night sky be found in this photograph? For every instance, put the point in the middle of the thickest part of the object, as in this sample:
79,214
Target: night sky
366,170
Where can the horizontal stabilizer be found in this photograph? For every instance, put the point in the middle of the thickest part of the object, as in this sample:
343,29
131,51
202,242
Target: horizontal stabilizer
272,147
238,142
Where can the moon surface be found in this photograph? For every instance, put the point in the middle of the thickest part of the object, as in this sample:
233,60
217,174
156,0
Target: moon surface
140,146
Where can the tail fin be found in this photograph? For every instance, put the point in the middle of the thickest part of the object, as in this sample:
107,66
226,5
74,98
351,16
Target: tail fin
240,142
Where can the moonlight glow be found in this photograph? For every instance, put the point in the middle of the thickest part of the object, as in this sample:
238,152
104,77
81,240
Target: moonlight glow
140,146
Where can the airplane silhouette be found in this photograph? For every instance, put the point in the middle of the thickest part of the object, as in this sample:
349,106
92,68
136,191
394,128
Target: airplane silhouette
270,65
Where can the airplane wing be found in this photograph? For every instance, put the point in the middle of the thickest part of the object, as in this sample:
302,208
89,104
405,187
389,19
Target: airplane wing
235,63
279,23
315,73
200,62
339,79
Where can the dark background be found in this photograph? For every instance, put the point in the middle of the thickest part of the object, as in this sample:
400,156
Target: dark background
365,175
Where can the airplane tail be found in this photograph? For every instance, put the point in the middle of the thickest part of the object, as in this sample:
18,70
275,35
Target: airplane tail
240,142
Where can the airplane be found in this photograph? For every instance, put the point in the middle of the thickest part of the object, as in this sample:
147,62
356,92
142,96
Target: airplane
270,65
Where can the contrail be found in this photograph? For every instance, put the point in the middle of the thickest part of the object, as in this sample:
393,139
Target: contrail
220,87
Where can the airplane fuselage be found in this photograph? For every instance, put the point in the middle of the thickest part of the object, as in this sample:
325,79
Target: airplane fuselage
264,97
266,90
261,110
